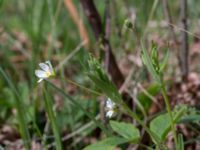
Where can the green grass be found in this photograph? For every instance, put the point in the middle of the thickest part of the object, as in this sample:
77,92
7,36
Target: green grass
33,31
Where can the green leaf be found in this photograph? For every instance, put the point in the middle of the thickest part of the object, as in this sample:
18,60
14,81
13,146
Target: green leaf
107,144
164,62
148,63
52,118
190,118
126,130
180,142
161,125
154,56
179,113
101,80
107,87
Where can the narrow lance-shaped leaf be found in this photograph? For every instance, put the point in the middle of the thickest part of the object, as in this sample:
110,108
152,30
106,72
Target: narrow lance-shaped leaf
190,118
180,142
164,62
101,80
148,63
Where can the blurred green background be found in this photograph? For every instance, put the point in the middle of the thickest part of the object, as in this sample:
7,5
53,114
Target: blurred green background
33,31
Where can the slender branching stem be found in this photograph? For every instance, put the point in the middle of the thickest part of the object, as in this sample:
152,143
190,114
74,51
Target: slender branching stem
169,110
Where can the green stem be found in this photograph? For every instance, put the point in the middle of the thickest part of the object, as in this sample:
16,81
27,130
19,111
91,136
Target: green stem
134,115
166,99
83,87
100,125
52,119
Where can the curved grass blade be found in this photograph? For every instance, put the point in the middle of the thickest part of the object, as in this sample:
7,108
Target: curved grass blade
20,111
52,118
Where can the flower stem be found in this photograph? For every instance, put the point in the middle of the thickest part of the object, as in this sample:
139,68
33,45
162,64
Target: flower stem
166,99
52,119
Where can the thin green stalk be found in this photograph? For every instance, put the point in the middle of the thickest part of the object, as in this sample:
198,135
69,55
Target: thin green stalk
52,119
83,87
153,8
53,26
58,9
99,124
133,115
20,112
166,99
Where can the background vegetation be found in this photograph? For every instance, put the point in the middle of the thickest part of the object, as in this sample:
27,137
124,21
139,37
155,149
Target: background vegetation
33,31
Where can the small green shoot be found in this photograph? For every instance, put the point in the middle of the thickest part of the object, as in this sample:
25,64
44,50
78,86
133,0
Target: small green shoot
153,65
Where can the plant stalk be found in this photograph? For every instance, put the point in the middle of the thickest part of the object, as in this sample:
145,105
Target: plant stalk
166,99
52,119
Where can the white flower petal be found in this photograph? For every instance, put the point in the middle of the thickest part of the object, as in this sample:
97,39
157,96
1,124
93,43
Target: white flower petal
44,67
40,74
50,66
110,104
110,113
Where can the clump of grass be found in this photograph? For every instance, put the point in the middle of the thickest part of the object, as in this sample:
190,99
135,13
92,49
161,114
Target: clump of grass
21,113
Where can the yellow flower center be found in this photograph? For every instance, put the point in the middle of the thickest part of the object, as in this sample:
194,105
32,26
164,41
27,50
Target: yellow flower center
48,73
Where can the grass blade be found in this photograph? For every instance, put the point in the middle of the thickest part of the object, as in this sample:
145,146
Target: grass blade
20,112
52,118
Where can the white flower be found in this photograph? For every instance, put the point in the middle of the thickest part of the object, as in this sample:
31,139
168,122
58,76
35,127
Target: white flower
110,108
45,72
